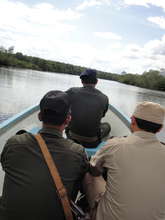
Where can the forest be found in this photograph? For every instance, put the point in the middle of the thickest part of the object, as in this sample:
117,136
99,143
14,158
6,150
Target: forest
151,79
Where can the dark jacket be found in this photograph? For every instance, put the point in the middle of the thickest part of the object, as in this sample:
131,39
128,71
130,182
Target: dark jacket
28,187
88,106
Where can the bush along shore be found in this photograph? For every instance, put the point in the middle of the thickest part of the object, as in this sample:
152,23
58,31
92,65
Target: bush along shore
152,79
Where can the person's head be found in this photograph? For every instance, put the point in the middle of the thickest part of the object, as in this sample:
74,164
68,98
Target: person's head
55,108
89,76
148,116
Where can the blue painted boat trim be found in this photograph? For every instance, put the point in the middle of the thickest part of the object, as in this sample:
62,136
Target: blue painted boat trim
17,118
20,116
92,151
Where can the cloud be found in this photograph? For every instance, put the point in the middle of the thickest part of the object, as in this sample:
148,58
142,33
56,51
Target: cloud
108,35
34,28
146,3
46,31
92,3
131,57
19,17
150,56
156,47
160,21
47,13
43,30
87,4
137,2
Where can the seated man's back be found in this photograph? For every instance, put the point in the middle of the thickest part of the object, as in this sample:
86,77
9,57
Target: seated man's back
135,165
29,191
88,106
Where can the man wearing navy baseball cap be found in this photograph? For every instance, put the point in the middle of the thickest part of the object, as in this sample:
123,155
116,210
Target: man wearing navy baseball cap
28,190
88,106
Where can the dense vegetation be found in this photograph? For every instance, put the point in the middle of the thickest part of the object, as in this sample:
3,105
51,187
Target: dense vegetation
151,79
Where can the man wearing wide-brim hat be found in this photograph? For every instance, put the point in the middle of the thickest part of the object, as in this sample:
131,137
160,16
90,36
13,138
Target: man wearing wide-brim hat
135,185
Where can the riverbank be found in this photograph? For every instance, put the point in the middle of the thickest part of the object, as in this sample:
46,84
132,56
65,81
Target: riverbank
150,80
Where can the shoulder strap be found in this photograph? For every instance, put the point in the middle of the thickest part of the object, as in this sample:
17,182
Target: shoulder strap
62,193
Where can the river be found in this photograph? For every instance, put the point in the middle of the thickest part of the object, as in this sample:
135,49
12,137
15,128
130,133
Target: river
20,89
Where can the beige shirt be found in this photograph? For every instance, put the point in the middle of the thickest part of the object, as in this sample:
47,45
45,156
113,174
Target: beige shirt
135,187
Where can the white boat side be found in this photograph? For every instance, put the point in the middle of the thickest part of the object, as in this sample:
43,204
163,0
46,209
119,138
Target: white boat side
28,120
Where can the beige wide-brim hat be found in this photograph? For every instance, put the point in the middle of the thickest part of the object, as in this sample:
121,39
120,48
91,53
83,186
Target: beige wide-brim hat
150,111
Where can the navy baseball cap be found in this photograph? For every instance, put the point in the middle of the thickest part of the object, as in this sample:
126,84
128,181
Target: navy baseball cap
88,73
56,101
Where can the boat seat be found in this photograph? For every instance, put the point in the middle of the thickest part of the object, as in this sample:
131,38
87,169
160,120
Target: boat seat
92,151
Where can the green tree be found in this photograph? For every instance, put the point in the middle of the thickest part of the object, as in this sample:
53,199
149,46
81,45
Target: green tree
11,50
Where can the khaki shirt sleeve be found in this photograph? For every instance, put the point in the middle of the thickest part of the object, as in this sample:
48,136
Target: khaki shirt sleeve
97,161
103,157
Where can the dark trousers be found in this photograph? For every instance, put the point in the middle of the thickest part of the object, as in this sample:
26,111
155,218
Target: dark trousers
105,129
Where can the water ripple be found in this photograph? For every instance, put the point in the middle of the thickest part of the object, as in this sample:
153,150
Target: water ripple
4,117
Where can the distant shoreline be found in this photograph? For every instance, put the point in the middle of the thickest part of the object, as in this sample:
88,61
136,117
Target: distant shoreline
149,80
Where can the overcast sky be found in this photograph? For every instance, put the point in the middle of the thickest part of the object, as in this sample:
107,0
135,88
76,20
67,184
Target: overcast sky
109,35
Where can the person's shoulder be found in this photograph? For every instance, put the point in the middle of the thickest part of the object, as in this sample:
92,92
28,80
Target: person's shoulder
19,139
123,141
73,89
119,140
74,147
101,93
115,143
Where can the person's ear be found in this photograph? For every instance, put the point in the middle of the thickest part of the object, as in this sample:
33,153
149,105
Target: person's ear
133,121
68,119
39,116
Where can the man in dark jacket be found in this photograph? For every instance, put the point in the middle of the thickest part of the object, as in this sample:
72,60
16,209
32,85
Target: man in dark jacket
88,106
28,191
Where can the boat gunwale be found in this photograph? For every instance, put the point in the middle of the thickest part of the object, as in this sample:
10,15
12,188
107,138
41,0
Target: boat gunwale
17,118
27,112
126,120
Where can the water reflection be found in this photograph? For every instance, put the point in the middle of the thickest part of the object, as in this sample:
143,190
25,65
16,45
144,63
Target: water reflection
6,78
